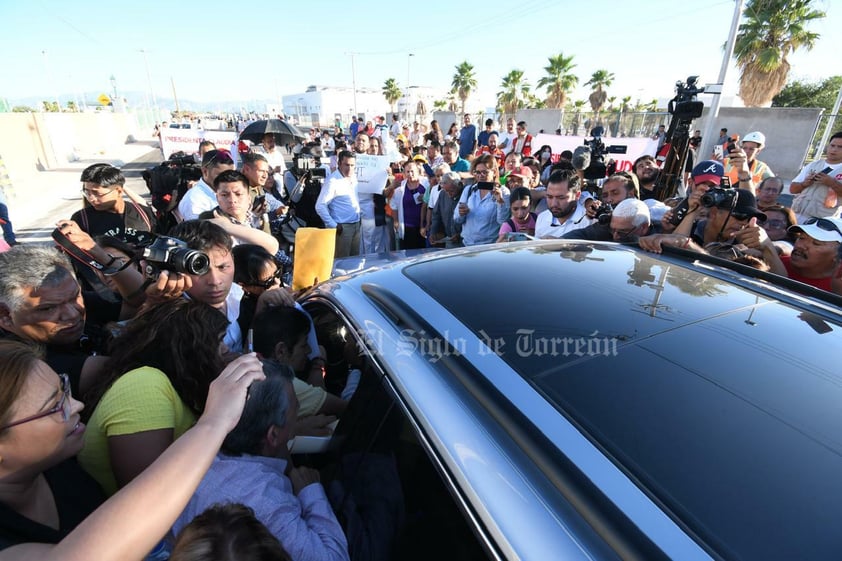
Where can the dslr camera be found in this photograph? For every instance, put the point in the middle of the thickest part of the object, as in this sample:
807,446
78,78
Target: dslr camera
717,197
307,165
164,253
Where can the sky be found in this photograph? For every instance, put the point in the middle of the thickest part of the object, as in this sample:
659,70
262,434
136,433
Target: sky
216,51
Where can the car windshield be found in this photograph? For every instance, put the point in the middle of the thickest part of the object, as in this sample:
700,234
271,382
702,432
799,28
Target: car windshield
723,405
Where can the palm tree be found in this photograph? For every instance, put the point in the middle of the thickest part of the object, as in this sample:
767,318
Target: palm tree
464,81
558,80
514,94
392,93
599,80
440,104
611,100
773,30
578,105
652,105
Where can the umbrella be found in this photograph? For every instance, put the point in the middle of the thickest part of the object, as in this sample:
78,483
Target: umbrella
284,131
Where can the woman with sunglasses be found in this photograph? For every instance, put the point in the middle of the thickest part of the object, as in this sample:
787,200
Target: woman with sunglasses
50,509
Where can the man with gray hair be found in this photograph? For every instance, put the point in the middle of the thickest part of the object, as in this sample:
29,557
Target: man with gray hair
253,468
443,228
41,302
629,221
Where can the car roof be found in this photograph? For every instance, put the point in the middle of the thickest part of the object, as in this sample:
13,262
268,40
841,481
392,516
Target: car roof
716,394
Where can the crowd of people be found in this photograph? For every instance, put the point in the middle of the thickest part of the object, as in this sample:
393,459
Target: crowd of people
152,383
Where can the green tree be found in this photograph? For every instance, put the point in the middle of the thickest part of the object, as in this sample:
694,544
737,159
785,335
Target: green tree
440,104
809,94
600,80
22,109
50,106
464,82
559,80
514,94
392,93
71,107
773,29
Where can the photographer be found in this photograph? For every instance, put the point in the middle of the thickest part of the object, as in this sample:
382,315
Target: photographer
617,188
70,327
304,182
107,212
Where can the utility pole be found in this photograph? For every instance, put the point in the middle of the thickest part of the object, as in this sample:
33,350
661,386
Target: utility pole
151,89
831,122
354,80
706,148
174,95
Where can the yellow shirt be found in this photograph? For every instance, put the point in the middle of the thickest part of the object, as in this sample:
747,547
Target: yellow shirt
140,400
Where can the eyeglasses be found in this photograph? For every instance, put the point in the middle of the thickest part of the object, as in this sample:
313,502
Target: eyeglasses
88,193
622,233
741,216
62,406
824,224
271,281
775,224
483,172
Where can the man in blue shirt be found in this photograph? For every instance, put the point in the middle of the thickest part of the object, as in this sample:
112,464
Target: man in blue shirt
450,153
483,136
467,138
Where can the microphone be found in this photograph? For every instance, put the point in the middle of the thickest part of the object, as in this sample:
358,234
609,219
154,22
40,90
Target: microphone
581,158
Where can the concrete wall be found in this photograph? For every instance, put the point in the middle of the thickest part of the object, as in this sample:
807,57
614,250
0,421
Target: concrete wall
32,142
788,133
537,119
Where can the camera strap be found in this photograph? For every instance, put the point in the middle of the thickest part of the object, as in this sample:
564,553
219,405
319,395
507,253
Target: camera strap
86,258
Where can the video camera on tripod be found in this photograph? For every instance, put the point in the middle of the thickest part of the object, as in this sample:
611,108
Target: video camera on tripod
591,156
684,107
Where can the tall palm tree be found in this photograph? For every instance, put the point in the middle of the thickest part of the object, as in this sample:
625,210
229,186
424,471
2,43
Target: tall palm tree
464,81
514,94
559,80
392,92
599,80
773,29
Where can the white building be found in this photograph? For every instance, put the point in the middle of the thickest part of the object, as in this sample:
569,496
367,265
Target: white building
322,105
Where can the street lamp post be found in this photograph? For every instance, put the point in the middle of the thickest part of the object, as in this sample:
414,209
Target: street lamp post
149,80
406,94
113,81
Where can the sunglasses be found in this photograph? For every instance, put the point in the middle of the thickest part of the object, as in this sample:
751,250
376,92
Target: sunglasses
62,406
824,224
271,281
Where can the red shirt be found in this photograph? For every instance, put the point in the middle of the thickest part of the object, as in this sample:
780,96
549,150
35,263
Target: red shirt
498,154
825,283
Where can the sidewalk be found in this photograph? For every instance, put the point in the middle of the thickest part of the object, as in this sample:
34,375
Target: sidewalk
34,199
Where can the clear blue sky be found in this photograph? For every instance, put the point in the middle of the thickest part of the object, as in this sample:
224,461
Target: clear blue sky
254,50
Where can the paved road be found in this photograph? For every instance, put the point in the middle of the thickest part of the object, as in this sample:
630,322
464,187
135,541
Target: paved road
68,201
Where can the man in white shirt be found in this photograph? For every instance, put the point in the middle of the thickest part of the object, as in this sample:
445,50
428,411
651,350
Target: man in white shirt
508,138
339,207
564,213
201,197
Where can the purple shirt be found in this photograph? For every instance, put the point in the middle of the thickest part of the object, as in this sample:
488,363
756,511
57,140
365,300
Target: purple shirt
412,200
304,524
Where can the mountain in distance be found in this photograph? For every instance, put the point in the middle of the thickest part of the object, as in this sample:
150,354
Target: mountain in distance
139,101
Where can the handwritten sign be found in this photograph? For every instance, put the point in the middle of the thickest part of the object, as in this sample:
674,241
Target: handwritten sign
372,173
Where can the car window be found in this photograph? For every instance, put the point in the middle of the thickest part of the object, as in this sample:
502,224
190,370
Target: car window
374,428
722,404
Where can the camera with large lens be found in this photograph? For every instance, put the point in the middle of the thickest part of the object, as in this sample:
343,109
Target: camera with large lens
171,254
717,197
603,213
